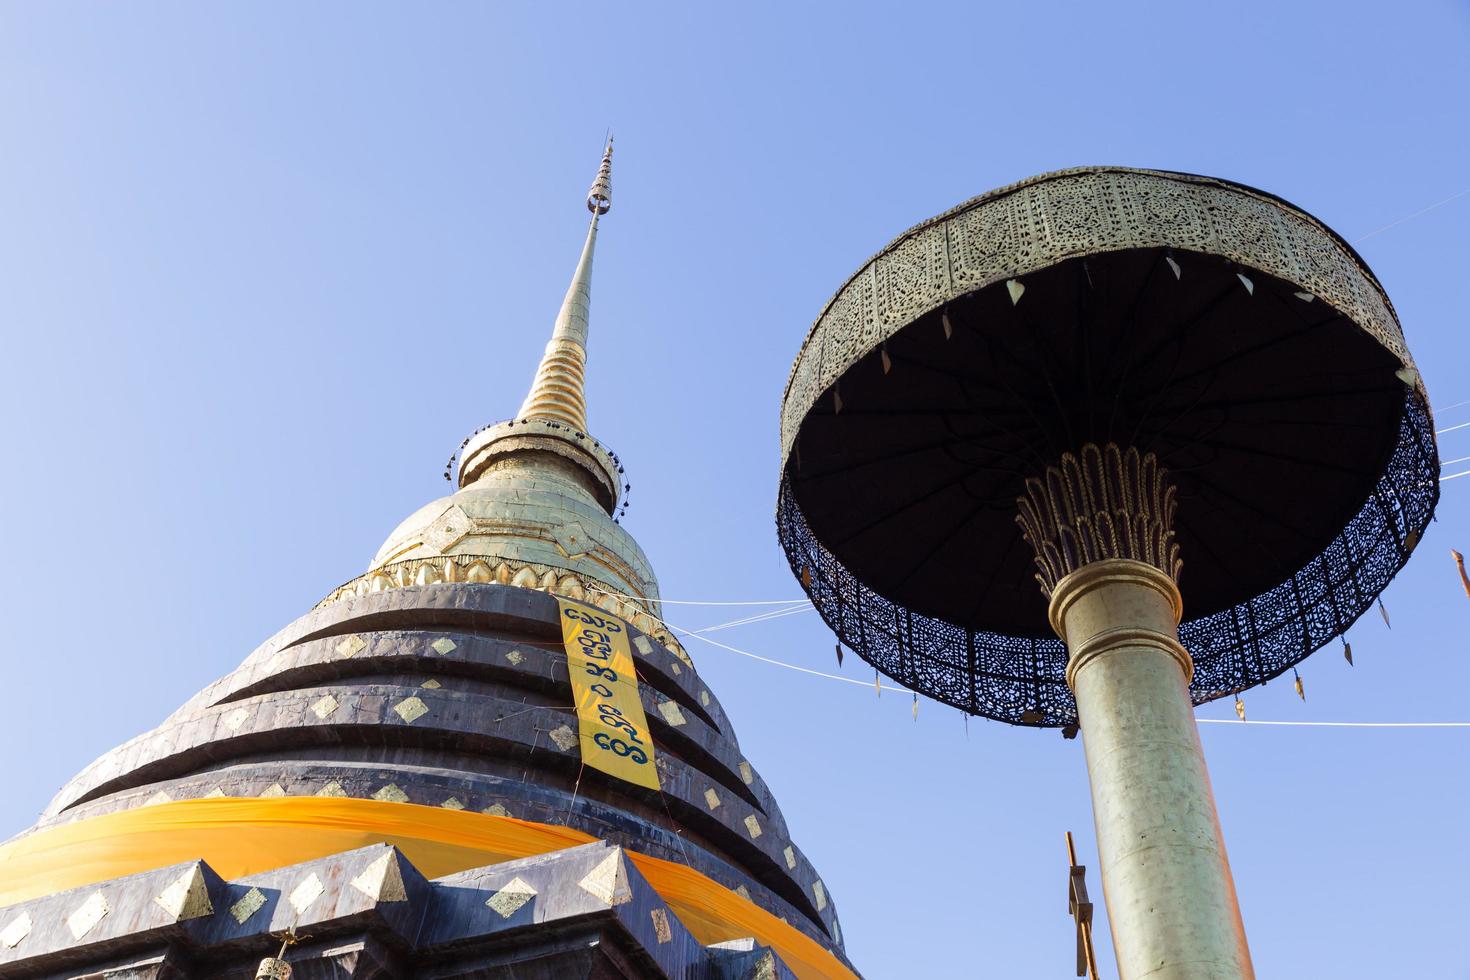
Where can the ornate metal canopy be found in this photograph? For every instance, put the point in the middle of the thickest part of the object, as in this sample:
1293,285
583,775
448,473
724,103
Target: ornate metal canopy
1220,328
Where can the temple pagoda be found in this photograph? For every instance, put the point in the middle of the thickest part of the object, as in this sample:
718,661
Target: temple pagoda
486,756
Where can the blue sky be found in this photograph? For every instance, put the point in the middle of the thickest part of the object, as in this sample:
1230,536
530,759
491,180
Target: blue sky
263,266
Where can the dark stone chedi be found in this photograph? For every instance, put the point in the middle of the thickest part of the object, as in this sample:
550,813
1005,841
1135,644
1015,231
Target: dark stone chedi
438,678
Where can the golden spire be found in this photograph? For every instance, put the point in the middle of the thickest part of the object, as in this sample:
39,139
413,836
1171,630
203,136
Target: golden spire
558,391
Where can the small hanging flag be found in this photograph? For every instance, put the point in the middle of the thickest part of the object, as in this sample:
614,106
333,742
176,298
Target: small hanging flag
1347,651
1301,692
966,715
836,402
887,361
839,655
948,329
806,577
916,706
1173,266
1016,289
877,686
1250,287
1383,610
1239,708
1460,564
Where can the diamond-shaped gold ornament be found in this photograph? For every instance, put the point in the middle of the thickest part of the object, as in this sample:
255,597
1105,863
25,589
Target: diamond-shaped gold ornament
661,928
512,898
87,915
410,709
391,794
249,903
17,929
305,893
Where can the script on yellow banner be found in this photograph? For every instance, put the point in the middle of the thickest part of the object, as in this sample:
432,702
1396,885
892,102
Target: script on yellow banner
611,725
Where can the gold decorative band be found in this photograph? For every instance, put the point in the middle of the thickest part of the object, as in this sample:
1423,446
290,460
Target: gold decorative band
526,575
1103,503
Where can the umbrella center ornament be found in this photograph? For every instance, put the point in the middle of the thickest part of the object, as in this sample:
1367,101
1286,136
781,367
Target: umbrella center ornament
1108,503
1102,523
1076,380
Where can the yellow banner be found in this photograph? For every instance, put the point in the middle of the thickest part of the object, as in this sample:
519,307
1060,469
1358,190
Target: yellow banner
610,722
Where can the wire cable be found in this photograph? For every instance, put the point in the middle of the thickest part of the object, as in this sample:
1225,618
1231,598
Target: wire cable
780,663
1411,217
1339,724
1451,408
761,618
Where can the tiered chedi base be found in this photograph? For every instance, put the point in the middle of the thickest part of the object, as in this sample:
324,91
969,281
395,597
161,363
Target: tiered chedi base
457,695
584,913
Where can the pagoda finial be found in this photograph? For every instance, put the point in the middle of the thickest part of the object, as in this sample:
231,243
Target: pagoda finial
599,198
558,392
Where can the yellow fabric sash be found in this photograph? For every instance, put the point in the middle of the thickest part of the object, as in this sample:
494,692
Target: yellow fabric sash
238,837
611,726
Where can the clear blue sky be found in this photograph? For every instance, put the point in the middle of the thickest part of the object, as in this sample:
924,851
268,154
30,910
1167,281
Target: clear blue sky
263,266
